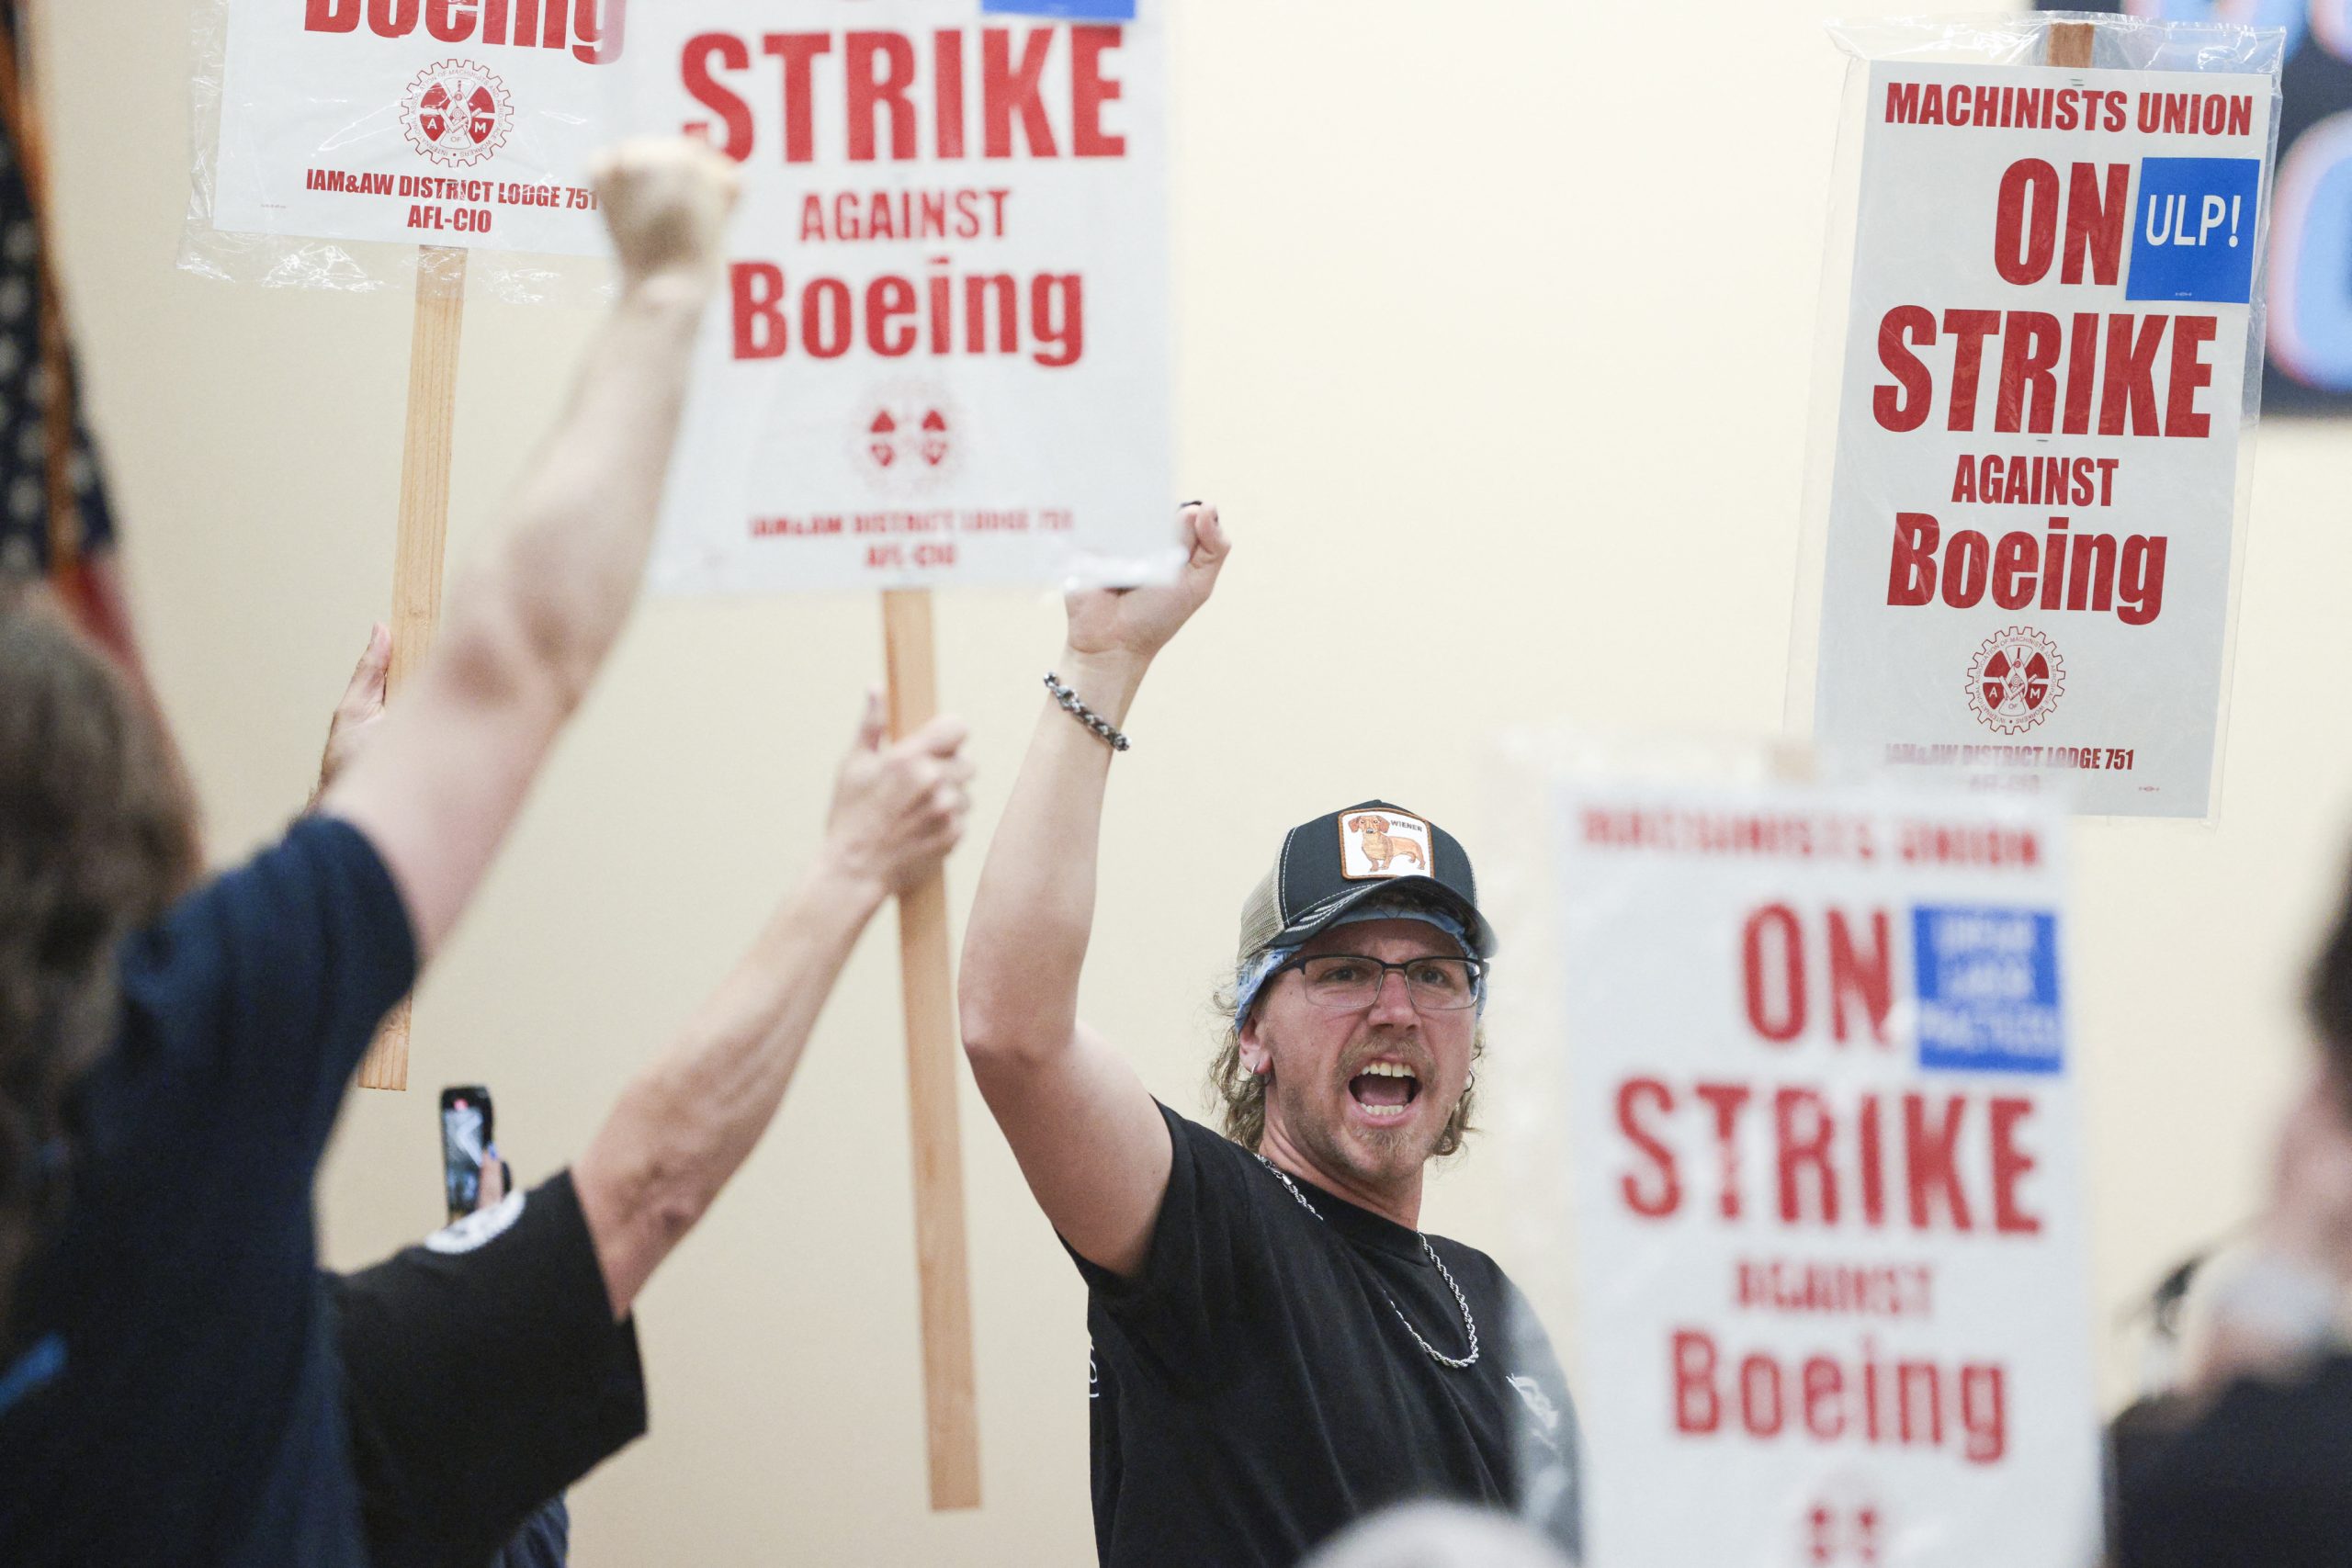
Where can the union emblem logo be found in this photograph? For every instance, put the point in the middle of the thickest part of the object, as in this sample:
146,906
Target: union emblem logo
907,439
2015,680
456,113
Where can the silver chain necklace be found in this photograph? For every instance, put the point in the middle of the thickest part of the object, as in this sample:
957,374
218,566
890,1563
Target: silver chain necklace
1468,1322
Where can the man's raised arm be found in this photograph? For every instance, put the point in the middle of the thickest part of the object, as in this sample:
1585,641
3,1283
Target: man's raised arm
1080,1123
528,627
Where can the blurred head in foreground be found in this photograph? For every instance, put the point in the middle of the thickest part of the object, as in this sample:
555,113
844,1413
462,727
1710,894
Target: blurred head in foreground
1437,1535
97,836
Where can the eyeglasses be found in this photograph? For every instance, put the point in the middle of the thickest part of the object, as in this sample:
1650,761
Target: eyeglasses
1344,981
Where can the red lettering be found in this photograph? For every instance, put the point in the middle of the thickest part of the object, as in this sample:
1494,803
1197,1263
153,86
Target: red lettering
2025,223
2030,348
1759,1396
2189,375
1873,1170
2013,576
825,326
798,51
758,289
391,18
2011,1165
871,90
452,21
1966,560
1090,90
1697,1407
1825,1391
1786,1022
1802,1125
1725,1099
732,111
2131,376
1007,90
603,29
1867,977
2082,368
2095,227
1928,1156
1666,1197
1911,574
949,73
1906,405
1968,328
889,301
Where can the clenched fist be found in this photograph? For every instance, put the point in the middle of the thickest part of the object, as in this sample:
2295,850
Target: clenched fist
666,202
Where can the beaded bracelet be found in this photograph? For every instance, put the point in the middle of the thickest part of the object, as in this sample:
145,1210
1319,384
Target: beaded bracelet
1084,714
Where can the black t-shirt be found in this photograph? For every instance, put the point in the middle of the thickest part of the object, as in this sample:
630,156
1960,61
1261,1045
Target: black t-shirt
482,1374
1254,1392
192,1413
2264,1475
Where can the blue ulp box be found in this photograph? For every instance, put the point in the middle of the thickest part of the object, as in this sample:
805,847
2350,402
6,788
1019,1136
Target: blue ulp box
1988,989
2192,234
1071,10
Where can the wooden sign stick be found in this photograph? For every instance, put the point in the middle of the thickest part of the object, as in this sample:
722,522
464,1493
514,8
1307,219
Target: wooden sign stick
2070,44
952,1414
424,530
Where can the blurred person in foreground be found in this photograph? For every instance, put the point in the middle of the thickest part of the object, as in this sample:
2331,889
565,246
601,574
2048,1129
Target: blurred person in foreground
490,1368
172,1055
2252,1462
1278,1348
1437,1535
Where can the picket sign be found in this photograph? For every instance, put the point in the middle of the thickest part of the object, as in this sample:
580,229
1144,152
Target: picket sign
1824,1137
941,361
342,121
2040,594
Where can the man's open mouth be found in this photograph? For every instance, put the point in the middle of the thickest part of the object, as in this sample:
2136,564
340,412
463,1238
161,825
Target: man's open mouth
1385,1089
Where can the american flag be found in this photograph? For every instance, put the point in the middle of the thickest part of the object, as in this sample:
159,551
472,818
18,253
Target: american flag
55,521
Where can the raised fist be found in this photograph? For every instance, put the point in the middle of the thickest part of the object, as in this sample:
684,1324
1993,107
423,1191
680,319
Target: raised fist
666,202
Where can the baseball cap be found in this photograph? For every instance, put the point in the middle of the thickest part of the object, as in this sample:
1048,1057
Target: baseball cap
1372,851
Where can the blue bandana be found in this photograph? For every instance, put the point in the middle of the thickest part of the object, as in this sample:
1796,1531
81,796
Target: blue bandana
1262,968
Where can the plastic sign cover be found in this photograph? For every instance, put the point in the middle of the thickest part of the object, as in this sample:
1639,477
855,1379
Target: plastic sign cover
942,356
1827,1162
2039,438
462,123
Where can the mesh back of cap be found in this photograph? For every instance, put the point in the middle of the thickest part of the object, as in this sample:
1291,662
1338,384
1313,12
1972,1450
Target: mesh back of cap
1261,921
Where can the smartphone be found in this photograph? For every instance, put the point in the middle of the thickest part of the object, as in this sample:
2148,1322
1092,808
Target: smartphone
465,1143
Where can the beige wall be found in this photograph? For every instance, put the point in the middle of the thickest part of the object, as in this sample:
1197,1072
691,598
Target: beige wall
1513,321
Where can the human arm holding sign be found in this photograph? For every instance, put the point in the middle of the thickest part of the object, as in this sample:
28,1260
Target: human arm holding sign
677,1134
1084,1129
528,627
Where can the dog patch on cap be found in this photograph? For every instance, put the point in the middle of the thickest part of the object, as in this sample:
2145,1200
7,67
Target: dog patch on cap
1377,844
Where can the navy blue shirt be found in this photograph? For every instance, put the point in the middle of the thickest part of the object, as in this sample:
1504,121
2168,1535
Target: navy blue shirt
194,1415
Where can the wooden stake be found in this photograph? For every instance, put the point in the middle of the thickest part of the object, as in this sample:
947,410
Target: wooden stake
952,1414
2070,44
424,530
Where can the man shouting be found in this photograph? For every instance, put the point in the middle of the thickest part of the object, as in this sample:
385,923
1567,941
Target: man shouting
1278,1348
